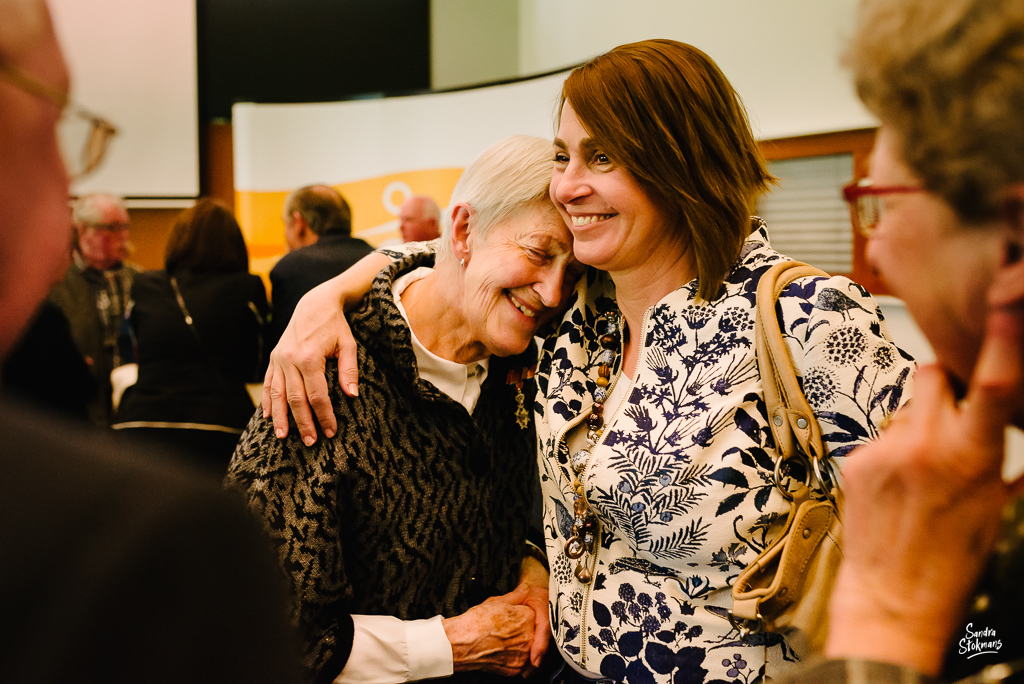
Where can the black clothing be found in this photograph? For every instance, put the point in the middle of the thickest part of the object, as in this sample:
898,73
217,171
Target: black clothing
194,384
123,566
47,369
301,270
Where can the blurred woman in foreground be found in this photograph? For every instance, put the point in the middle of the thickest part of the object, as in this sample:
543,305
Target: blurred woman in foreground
945,213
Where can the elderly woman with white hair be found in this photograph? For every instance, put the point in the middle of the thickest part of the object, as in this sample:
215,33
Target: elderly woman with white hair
404,535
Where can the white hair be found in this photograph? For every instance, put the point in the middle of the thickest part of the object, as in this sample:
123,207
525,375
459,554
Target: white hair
508,178
88,209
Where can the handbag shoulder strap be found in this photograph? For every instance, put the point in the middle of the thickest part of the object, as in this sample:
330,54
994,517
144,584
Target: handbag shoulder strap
195,333
184,311
191,326
790,416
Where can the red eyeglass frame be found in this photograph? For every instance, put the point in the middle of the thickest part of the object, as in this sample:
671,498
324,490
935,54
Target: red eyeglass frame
854,191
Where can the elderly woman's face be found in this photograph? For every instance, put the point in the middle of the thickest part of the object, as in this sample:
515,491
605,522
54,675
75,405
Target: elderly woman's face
616,225
517,277
941,269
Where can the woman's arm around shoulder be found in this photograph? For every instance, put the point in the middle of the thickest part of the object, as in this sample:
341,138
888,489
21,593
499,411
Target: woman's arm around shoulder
316,332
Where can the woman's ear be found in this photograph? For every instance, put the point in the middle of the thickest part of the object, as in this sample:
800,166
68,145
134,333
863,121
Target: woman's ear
462,231
1008,282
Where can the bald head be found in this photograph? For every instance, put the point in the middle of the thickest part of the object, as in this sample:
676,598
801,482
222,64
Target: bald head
419,219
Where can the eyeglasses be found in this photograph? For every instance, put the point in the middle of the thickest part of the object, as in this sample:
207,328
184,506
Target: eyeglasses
865,201
84,137
109,227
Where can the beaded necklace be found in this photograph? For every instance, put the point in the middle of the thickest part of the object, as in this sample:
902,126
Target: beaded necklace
585,528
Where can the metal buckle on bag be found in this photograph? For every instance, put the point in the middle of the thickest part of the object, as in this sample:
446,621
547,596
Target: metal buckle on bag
745,626
783,475
828,478
819,477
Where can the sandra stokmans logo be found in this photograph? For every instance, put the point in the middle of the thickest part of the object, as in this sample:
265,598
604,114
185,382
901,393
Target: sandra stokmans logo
977,643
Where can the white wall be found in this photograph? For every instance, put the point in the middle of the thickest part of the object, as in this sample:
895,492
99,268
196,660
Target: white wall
473,42
134,62
782,56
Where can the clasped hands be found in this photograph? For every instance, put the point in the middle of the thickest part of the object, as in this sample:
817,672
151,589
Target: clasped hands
507,635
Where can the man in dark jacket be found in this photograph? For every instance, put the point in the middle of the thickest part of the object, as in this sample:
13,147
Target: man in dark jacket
95,289
318,230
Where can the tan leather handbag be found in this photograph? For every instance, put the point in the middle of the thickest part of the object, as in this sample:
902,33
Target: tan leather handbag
786,589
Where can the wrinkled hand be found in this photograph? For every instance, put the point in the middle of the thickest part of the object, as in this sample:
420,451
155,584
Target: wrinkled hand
923,508
316,332
495,636
534,577
296,377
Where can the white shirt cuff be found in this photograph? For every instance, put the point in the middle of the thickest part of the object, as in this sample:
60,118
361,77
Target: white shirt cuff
387,650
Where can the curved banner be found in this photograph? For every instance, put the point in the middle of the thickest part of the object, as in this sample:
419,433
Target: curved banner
376,152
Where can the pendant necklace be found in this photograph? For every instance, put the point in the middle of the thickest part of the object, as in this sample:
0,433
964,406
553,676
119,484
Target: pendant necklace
582,544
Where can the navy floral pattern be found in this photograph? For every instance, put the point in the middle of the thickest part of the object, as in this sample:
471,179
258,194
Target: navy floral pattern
681,479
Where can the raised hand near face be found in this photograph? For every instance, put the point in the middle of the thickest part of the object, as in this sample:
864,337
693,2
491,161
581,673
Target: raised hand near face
923,508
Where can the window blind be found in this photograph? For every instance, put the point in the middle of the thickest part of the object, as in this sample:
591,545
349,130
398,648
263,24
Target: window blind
806,214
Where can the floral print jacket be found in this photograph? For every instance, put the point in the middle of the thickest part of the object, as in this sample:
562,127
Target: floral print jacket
681,478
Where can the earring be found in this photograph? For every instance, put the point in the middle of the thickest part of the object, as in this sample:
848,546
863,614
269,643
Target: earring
462,263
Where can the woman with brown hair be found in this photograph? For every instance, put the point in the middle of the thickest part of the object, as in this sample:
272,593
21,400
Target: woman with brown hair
198,328
656,454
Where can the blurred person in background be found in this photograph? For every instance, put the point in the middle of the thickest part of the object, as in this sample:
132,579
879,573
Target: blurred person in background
419,219
318,232
198,331
46,367
94,291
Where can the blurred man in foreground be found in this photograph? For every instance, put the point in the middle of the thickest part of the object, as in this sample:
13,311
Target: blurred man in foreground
118,566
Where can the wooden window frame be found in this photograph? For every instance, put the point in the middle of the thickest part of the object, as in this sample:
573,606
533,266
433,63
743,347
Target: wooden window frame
856,142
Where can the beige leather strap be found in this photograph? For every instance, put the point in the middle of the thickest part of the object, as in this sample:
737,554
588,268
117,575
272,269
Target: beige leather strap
790,416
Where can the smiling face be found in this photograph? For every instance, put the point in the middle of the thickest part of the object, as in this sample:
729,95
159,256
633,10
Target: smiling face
939,267
616,225
517,277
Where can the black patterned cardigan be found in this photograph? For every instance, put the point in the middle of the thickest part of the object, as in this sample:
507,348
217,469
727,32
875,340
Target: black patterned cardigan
413,509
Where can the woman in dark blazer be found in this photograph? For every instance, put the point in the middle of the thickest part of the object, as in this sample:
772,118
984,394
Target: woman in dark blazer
197,328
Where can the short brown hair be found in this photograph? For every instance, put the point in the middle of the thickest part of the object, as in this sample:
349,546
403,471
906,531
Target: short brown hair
206,239
323,208
947,77
664,112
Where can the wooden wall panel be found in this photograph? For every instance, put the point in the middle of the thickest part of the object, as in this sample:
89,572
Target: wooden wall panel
858,143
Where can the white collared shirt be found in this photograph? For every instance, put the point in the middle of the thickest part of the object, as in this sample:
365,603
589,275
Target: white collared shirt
461,382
